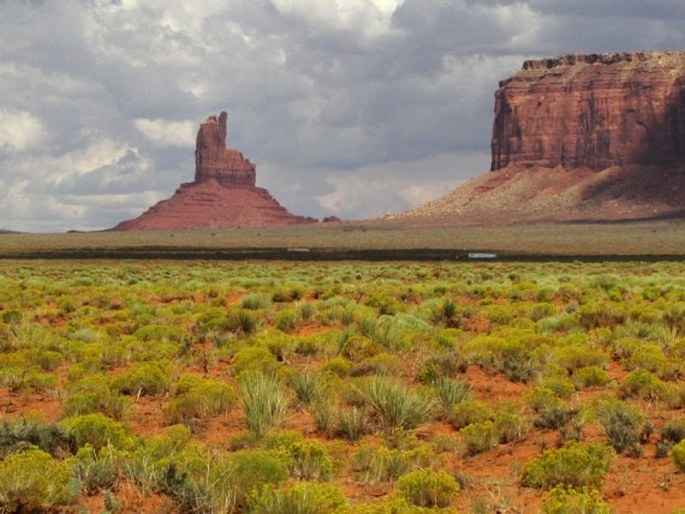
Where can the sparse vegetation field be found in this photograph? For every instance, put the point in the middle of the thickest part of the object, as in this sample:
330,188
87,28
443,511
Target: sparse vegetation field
342,387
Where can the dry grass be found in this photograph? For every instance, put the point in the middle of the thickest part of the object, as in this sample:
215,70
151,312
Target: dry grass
653,238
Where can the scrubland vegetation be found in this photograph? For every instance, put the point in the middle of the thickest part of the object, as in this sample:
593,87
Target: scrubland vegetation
273,387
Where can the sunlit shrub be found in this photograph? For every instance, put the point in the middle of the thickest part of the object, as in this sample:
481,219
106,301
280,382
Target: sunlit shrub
575,465
383,464
468,412
426,488
566,500
302,498
96,430
198,398
255,359
479,437
590,376
32,481
145,378
622,425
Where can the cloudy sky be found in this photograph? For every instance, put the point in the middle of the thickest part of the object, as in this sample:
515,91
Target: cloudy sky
348,107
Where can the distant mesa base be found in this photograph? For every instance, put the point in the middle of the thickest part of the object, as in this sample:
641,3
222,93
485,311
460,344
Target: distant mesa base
579,137
223,194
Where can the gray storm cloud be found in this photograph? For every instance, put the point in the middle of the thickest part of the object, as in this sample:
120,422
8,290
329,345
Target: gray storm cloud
351,108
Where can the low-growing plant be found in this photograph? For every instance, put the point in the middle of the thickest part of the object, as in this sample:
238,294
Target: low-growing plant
590,376
673,430
196,398
309,386
255,359
622,425
94,394
575,465
145,378
98,470
678,456
451,393
302,498
309,460
353,423
644,385
567,500
49,437
32,481
264,402
427,488
385,464
468,412
96,430
394,405
479,437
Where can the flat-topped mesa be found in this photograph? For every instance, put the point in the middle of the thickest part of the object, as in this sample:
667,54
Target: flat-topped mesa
592,111
214,161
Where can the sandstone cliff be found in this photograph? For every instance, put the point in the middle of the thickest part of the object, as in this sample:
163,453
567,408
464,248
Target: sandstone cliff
223,194
597,136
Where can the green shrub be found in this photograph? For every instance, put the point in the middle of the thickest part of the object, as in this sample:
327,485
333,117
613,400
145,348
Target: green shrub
255,359
673,430
575,465
384,464
98,470
643,384
622,424
302,498
32,481
264,402
286,320
93,394
444,365
309,461
309,386
339,366
468,412
255,302
426,488
353,423
145,378
678,456
510,423
96,430
479,437
198,398
451,393
48,437
590,376
566,500
251,470
394,405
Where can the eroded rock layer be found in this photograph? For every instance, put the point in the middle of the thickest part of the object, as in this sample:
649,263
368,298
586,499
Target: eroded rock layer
223,194
580,137
594,111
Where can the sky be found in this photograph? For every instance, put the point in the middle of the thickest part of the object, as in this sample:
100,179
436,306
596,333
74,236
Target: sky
352,108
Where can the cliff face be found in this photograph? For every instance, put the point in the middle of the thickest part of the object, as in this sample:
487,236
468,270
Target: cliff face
594,111
223,194
579,137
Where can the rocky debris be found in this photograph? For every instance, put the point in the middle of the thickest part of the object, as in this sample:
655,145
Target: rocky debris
581,136
223,194
331,219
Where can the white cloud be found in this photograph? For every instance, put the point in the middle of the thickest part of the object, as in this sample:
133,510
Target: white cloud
167,133
20,131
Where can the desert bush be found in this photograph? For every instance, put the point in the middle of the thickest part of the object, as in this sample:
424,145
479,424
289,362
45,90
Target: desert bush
393,404
552,411
468,412
94,394
622,424
673,430
198,398
255,359
380,364
98,470
309,386
253,469
96,430
254,302
426,488
309,460
145,378
264,402
32,481
339,366
302,498
678,456
566,500
160,333
384,464
575,465
50,438
576,356
443,365
510,423
451,393
353,423
590,376
644,385
286,320
479,437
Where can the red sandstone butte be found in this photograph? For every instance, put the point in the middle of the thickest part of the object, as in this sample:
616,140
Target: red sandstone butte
580,137
223,194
